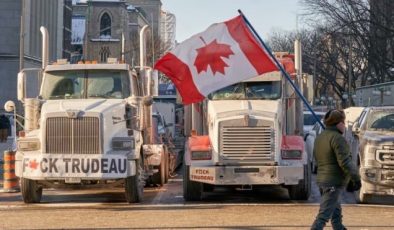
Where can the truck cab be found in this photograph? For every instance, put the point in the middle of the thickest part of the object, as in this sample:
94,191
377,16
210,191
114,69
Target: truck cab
89,126
249,137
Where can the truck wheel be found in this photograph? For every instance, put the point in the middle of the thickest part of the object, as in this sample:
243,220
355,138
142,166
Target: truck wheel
208,187
303,189
134,185
31,191
167,168
160,176
362,197
192,191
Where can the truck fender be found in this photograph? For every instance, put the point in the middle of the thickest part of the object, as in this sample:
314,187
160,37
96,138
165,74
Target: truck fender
196,143
294,142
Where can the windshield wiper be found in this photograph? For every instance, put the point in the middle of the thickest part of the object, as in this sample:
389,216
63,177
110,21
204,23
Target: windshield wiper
98,95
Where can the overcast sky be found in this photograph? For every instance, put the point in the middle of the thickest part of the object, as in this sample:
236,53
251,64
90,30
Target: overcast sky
194,16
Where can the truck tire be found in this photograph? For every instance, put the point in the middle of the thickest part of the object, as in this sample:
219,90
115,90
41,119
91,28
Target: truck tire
192,191
362,197
160,176
167,168
302,191
134,185
31,191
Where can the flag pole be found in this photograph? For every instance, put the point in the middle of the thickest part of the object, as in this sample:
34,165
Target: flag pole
282,69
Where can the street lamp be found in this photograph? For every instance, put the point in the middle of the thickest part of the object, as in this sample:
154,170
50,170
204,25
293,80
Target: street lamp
354,97
323,100
330,100
345,97
381,91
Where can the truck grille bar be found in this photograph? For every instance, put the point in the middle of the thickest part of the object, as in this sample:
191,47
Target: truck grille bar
76,136
247,143
386,156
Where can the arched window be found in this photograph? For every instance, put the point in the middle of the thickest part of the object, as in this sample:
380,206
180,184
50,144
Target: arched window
104,53
105,25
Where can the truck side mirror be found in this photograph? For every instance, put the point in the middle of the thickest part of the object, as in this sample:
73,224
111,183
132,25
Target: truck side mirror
21,86
356,127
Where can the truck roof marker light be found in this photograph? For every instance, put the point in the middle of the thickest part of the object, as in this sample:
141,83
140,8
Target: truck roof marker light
193,132
94,62
88,62
80,62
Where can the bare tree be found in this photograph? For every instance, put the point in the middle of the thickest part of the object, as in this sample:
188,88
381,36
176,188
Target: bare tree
349,43
368,27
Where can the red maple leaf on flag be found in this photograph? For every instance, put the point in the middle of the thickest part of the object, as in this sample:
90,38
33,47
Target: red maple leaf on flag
211,55
33,164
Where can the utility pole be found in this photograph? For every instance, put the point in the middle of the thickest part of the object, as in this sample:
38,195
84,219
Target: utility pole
22,37
350,98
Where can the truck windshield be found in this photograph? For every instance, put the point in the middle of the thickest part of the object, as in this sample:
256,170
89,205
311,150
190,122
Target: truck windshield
85,84
270,90
381,120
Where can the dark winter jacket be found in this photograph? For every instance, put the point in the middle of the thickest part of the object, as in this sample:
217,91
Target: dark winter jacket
4,122
334,160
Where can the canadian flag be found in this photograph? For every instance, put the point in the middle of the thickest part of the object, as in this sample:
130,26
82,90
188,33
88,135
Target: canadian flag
224,54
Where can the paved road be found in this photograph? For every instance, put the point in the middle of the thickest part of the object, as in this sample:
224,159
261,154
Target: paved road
164,207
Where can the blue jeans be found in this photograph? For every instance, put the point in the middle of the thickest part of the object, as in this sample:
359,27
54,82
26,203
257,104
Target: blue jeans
330,208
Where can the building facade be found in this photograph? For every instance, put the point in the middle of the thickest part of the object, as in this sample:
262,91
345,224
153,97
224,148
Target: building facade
168,31
24,51
107,22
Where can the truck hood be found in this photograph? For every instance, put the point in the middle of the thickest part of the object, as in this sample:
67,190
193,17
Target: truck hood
85,105
238,107
378,136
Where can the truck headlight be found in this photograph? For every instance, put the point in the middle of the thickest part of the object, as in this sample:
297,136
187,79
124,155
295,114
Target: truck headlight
122,143
201,155
371,174
29,145
291,154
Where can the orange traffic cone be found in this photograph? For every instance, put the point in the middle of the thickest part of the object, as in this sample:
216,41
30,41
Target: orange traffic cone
11,182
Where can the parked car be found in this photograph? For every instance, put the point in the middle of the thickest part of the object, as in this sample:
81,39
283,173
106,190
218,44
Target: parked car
310,142
373,134
352,114
310,120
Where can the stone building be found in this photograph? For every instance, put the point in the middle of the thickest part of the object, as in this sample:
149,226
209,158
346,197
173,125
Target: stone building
109,21
14,54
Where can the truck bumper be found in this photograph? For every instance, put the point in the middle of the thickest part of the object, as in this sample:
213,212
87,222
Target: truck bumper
247,175
39,166
377,181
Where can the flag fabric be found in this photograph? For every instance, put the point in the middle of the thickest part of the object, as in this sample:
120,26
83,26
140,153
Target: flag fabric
224,54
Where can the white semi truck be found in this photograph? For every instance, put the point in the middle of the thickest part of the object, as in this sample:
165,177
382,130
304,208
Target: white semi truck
247,135
90,126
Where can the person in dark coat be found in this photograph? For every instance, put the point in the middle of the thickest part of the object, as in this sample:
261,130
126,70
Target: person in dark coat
4,126
335,169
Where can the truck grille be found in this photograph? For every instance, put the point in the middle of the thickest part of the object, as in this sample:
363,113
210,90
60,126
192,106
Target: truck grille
77,136
386,156
247,143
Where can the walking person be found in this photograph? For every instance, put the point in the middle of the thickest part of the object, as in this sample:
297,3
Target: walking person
335,170
4,126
